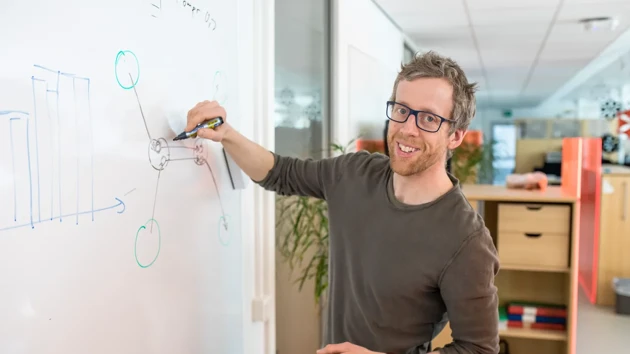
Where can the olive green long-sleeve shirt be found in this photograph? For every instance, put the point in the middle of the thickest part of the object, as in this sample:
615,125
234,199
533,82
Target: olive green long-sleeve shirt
397,270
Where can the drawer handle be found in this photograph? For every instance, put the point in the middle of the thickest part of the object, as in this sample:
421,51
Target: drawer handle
533,235
533,207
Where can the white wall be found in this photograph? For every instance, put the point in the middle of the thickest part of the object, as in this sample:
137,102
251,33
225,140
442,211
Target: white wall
367,54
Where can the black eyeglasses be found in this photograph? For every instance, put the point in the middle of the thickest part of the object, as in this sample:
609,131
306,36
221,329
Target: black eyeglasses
427,121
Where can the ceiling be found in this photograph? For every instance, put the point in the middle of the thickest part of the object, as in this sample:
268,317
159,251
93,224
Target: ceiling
520,52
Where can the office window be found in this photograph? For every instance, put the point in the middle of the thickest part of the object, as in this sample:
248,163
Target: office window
504,151
302,114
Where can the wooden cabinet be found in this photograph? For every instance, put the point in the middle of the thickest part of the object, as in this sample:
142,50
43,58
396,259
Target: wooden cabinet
534,235
614,238
533,269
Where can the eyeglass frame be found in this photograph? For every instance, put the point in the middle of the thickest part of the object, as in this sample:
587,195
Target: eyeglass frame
415,114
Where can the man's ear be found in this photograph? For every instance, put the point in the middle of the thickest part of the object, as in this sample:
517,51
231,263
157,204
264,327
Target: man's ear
455,140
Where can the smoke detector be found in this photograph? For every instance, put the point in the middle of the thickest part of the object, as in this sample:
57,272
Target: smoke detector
592,24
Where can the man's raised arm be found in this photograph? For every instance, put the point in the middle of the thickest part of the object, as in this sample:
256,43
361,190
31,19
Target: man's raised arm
284,175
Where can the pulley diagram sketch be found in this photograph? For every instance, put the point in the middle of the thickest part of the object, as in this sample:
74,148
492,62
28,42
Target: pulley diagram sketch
49,152
161,153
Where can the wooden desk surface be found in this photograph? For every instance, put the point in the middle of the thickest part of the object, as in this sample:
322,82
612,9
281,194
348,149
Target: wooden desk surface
487,192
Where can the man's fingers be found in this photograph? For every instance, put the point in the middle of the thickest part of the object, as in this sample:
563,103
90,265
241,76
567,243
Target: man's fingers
205,133
190,123
210,134
202,112
206,113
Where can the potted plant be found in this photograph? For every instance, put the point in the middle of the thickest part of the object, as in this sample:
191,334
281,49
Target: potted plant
472,161
303,234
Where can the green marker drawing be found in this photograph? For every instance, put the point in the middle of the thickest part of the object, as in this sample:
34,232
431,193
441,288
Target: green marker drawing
135,247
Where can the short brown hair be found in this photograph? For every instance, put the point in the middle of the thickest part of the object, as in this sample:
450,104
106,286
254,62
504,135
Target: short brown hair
433,65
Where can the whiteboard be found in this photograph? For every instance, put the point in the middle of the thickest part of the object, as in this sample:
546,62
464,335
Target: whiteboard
113,237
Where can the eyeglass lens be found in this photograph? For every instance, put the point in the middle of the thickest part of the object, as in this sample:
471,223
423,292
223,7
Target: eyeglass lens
426,121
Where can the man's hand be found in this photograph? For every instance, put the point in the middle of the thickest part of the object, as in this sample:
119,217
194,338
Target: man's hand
207,110
345,348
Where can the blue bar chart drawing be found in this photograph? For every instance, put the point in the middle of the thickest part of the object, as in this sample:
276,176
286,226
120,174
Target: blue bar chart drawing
13,165
51,153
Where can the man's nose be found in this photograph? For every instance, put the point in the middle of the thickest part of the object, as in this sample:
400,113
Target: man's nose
409,127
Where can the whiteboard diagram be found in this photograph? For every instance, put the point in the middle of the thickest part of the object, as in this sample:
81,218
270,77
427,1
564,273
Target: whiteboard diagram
107,225
161,152
61,112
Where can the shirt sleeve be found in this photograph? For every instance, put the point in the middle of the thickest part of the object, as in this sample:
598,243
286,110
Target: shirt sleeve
307,177
468,290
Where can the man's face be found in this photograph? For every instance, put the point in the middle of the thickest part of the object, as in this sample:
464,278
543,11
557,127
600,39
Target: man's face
413,150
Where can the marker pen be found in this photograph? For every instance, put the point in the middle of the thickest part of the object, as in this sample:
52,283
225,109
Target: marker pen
209,124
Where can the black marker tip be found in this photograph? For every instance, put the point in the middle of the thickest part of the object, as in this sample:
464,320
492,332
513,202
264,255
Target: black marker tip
180,136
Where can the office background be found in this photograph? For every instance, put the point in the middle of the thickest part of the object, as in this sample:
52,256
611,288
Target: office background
546,69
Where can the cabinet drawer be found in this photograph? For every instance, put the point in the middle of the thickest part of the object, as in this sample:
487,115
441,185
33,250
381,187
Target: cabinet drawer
533,249
534,218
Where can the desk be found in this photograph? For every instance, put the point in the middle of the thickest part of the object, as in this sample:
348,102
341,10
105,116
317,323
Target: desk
535,233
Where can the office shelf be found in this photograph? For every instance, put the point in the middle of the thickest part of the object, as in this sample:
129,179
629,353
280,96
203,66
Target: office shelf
532,268
534,334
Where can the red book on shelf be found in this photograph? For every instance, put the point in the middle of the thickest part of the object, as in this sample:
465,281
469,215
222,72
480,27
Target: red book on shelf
536,325
536,310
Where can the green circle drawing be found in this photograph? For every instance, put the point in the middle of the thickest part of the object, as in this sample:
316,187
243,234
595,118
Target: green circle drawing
133,82
135,247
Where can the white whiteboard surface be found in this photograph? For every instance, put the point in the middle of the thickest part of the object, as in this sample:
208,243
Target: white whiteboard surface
114,238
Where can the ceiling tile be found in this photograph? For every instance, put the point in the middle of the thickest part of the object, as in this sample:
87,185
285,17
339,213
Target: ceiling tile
431,22
467,59
509,45
569,42
577,11
508,62
499,4
399,7
567,54
506,78
509,34
476,73
456,36
498,16
550,75
505,41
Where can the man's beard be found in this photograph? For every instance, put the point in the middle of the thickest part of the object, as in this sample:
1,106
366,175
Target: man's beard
423,159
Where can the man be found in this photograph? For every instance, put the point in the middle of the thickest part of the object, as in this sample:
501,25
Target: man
406,247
